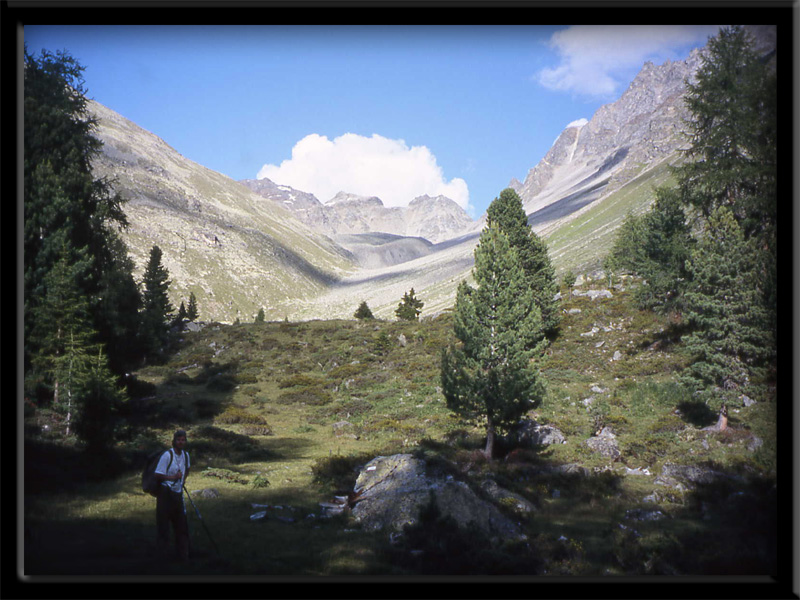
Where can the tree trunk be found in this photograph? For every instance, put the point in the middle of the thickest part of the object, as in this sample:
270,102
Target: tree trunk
722,421
490,437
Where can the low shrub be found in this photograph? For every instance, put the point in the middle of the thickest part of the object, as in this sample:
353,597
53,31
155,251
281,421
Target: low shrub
314,396
234,414
300,380
257,430
339,473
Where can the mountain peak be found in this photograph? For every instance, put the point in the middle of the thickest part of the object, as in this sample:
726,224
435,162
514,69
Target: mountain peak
348,198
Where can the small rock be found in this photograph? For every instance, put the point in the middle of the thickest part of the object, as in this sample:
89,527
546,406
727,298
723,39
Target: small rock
755,444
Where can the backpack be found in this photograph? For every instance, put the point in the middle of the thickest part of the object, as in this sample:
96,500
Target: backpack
149,483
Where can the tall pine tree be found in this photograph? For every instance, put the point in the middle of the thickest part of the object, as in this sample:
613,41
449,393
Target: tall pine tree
732,343
508,213
733,132
655,246
68,360
156,307
65,204
487,378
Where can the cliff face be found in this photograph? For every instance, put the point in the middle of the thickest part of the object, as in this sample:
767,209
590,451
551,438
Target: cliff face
641,131
623,138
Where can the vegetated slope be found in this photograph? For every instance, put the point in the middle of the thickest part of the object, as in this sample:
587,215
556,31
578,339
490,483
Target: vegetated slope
305,405
234,250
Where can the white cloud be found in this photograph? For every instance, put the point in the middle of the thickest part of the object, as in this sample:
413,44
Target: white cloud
596,59
366,166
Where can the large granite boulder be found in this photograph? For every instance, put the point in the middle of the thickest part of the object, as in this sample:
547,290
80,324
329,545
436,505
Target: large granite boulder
391,491
531,433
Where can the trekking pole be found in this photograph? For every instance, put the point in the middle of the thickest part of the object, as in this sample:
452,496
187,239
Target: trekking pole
203,523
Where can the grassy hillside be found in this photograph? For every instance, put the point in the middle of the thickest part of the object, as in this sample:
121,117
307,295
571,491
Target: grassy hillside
582,243
283,414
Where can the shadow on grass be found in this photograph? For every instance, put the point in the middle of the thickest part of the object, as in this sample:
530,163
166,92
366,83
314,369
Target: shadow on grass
697,413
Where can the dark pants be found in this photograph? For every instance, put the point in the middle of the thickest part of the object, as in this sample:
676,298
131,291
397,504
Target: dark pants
170,510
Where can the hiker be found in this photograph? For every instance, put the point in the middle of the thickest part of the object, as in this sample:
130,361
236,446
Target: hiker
171,473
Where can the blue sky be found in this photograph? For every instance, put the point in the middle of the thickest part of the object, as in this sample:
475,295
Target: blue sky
390,111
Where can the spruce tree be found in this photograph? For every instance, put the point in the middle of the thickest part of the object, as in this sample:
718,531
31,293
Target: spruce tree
655,246
487,378
733,133
508,213
68,360
409,308
260,316
156,307
65,203
363,311
191,308
64,336
732,342
99,402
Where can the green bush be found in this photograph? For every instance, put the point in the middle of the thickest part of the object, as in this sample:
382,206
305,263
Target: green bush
313,396
235,415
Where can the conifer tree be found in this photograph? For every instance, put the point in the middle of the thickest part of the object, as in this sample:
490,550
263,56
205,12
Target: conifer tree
191,308
99,402
733,133
487,378
64,336
260,316
732,341
508,213
68,359
655,246
410,307
156,307
65,203
363,311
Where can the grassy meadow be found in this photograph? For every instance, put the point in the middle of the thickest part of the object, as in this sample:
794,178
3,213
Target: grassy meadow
284,413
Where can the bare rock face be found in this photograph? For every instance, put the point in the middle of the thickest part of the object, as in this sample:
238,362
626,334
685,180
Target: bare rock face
391,491
641,128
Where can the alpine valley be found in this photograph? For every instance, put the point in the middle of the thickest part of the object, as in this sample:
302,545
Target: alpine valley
245,245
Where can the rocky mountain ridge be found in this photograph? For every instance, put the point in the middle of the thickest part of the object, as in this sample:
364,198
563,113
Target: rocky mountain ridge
434,219
241,246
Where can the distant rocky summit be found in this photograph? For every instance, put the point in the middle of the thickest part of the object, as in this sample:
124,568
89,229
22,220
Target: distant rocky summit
645,127
434,219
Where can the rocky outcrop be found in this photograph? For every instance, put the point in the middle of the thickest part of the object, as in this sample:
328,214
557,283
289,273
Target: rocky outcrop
391,491
604,443
530,433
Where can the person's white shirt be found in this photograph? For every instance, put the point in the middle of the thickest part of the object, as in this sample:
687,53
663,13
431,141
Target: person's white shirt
180,463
